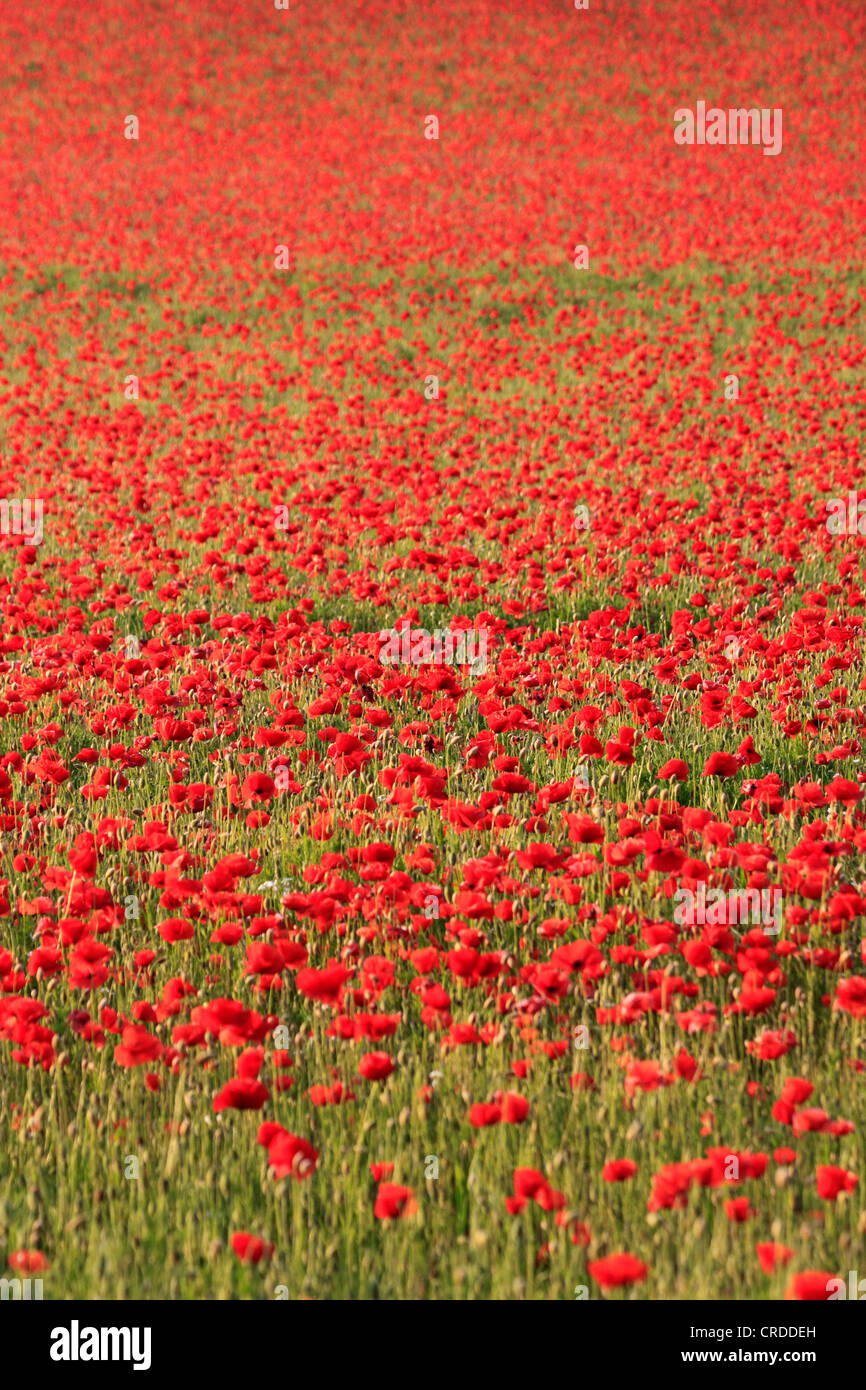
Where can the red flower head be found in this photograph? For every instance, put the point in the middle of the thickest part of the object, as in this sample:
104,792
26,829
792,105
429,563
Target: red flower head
614,1271
393,1201
251,1249
375,1066
241,1093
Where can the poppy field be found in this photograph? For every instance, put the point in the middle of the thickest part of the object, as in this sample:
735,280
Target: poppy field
432,682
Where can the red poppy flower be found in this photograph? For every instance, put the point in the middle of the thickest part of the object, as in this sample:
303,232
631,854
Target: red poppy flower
614,1271
840,789
137,1047
324,985
175,929
251,1249
738,1209
851,996
721,765
619,1170
241,1093
813,1285
515,1108
375,1066
482,1115
393,1201
288,1154
771,1255
28,1261
381,1171
831,1181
